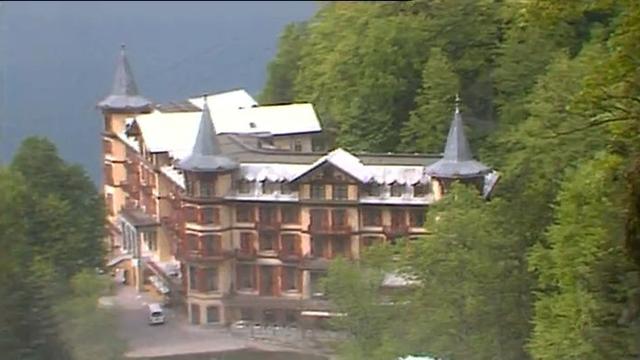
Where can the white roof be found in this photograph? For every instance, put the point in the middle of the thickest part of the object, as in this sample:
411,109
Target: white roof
231,112
173,132
234,99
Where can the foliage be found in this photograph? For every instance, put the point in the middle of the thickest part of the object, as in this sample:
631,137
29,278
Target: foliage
428,123
583,272
546,85
51,226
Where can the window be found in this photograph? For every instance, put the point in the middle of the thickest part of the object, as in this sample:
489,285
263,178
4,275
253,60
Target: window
151,241
246,314
420,190
340,192
290,215
317,290
246,242
372,190
339,218
211,276
397,190
192,242
339,246
246,277
244,187
108,174
267,242
270,187
318,246
416,217
109,204
290,243
297,146
290,279
398,218
195,314
210,215
317,191
319,218
244,214
372,217
290,317
192,277
268,215
190,214
212,244
206,189
212,315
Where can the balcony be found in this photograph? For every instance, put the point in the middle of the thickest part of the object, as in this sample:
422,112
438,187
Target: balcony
245,254
394,231
289,256
203,255
268,226
335,229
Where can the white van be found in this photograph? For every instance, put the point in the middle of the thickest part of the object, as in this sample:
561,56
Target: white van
156,314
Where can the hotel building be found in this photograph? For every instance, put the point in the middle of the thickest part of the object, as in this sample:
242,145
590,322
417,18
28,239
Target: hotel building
237,209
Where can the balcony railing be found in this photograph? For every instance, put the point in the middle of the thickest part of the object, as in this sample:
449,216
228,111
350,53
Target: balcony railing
394,231
268,226
203,255
246,254
289,255
320,228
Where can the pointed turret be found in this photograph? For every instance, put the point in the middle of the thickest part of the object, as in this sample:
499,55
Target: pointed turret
457,161
206,155
124,96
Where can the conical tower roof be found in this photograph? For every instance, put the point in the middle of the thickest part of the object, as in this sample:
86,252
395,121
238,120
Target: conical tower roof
124,94
457,161
207,154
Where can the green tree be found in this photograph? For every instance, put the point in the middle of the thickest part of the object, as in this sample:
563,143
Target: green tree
470,302
582,269
68,212
428,123
282,70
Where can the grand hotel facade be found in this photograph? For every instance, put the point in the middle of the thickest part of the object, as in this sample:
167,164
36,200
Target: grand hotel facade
236,209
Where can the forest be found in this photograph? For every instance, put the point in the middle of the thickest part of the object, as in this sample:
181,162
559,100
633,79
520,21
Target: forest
548,268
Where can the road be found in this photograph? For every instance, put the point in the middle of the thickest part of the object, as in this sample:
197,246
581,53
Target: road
175,337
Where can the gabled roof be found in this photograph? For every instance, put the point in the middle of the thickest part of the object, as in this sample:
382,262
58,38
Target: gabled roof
341,159
124,94
207,153
457,161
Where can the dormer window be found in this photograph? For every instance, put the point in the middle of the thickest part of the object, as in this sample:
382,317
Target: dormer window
244,187
252,125
372,189
270,187
420,190
397,190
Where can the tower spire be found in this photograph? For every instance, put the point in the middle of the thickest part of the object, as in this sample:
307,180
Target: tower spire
124,94
206,154
457,161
